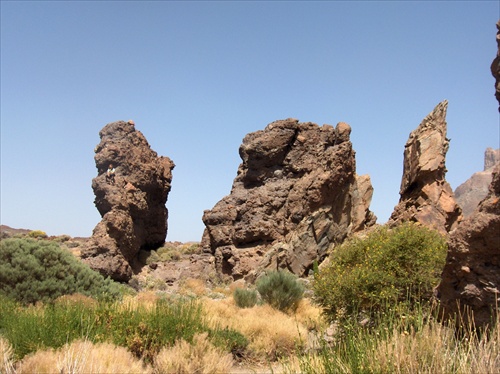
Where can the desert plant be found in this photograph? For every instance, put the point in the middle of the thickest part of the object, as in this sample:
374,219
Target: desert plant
33,270
6,357
37,234
280,289
388,266
199,357
245,298
81,357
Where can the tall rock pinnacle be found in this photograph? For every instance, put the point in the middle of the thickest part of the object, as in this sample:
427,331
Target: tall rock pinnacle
426,196
131,199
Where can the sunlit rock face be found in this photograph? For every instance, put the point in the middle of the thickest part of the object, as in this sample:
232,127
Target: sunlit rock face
471,276
425,195
296,192
131,204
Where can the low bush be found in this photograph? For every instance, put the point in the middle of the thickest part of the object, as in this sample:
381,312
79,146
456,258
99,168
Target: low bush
387,267
33,270
280,289
245,298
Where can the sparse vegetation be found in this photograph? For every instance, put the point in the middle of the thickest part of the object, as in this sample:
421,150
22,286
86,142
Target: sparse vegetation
39,270
153,332
280,289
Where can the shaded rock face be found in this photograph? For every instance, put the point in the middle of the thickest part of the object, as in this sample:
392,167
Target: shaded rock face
296,192
132,204
470,193
426,196
495,67
471,276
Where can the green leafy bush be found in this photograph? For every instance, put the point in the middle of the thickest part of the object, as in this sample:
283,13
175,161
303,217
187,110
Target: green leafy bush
245,298
281,290
402,264
34,270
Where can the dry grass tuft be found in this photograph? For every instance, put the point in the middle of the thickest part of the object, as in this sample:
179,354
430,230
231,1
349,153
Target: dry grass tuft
194,286
271,333
436,349
6,357
200,357
75,299
81,357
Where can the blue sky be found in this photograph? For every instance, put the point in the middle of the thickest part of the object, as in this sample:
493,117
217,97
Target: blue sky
196,77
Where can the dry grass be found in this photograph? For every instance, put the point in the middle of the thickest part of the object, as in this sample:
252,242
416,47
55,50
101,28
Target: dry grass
435,349
199,358
83,357
6,357
271,333
191,286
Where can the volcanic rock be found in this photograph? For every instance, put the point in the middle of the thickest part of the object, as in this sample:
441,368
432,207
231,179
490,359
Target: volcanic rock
495,67
470,193
425,196
471,277
132,204
296,192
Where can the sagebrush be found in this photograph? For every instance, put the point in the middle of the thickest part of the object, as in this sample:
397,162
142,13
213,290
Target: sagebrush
41,271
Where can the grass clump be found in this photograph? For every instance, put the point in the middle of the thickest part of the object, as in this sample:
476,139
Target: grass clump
388,266
281,290
41,271
245,298
199,357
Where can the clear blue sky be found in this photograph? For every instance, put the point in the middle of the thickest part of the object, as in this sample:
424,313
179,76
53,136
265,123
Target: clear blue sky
196,77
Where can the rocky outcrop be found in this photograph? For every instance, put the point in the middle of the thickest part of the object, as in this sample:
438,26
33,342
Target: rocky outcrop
470,193
471,276
131,202
296,193
425,195
495,67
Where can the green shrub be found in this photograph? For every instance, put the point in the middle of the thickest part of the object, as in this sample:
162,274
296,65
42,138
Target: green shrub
281,290
245,298
388,266
33,270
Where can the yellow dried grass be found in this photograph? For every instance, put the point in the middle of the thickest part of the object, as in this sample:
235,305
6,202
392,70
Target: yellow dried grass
271,333
201,357
6,357
81,357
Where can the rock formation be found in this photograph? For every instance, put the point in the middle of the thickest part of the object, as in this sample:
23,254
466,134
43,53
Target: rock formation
471,276
132,204
426,196
470,193
495,67
296,192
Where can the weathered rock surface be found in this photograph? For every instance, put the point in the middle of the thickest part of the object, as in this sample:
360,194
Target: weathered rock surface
495,67
132,207
471,276
296,193
426,196
470,193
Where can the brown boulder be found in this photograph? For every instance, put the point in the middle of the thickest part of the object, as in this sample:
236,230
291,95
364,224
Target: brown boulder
495,67
426,196
295,189
131,204
471,276
470,193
